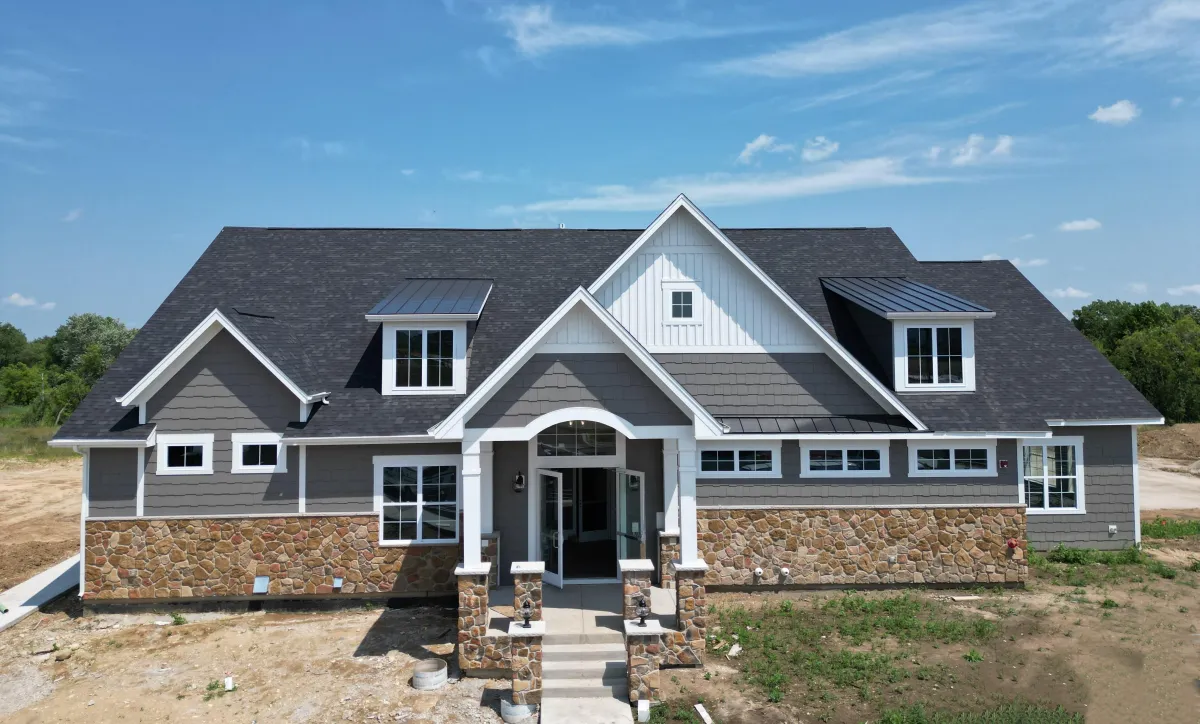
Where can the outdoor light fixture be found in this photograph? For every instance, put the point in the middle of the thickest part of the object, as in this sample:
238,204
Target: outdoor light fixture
526,612
641,610
518,482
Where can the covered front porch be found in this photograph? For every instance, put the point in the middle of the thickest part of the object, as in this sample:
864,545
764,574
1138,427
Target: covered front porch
580,614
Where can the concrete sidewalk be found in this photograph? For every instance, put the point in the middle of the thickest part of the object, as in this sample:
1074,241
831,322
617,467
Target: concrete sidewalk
24,599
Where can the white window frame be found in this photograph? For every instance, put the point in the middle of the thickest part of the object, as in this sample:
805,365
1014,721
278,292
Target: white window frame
171,439
884,460
900,351
952,445
459,367
418,461
682,286
1080,497
241,439
774,446
579,461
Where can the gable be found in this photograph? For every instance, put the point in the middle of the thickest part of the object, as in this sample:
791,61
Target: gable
735,311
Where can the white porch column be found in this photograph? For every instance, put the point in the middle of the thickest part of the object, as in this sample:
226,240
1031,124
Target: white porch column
688,545
472,533
671,486
486,484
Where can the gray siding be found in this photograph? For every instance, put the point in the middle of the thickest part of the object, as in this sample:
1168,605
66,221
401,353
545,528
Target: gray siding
1108,493
549,382
510,509
341,478
112,482
222,390
765,385
647,456
897,490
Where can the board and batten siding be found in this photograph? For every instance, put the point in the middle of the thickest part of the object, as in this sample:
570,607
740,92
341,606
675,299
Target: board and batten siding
897,490
341,478
112,482
735,310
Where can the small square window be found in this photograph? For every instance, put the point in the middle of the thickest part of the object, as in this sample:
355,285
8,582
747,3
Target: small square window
716,461
185,456
754,461
933,459
824,460
972,459
681,305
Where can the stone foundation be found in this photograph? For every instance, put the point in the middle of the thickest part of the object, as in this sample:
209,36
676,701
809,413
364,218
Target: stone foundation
476,649
668,553
863,545
526,665
642,654
206,557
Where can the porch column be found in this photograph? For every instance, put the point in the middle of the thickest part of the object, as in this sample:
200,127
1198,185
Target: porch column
688,545
670,486
486,489
472,533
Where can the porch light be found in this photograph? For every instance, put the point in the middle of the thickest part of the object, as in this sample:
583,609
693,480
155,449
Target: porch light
641,610
526,613
518,482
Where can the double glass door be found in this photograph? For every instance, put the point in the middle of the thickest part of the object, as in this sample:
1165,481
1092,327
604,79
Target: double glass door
554,506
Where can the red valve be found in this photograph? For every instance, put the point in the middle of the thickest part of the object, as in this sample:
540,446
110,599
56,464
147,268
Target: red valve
1012,542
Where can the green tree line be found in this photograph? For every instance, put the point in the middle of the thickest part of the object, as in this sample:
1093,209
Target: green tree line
1156,346
48,377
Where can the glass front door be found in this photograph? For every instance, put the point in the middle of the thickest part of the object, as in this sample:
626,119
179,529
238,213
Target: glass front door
550,489
631,528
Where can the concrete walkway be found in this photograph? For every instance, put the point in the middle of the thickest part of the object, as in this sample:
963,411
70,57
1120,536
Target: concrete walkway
24,599
581,613
1164,486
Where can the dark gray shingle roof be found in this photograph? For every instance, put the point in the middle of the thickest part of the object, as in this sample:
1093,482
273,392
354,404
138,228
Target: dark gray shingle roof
898,295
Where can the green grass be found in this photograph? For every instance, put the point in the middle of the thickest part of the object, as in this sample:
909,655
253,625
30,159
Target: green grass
664,713
1167,528
29,443
1012,713
1079,567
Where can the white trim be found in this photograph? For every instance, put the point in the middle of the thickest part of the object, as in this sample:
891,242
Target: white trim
234,516
379,462
951,444
670,446
884,470
843,437
939,316
681,285
166,439
84,504
1107,422
568,348
1080,486
258,438
83,442
840,356
581,461
735,349
452,426
900,356
303,479
1137,504
422,318
688,525
530,430
187,348
140,495
358,440
458,366
737,447
141,414
862,506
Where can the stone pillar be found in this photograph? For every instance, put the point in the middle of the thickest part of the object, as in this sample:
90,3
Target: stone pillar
668,553
526,651
491,554
527,586
688,526
472,615
643,649
691,604
635,583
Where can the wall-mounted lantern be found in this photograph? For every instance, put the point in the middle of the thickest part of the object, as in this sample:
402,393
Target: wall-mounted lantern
518,483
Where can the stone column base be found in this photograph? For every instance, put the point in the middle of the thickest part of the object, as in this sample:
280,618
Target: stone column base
668,552
526,648
472,615
635,584
527,587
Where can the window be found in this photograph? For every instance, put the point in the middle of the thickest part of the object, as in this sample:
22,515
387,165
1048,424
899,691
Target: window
424,361
577,438
752,462
417,499
935,356
184,454
1052,475
258,452
825,460
681,305
681,302
954,461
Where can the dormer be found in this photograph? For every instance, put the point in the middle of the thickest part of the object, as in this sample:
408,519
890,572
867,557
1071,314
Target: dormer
424,324
932,332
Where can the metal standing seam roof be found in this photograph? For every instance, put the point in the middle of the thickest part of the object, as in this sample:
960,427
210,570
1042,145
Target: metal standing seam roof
817,425
436,296
890,296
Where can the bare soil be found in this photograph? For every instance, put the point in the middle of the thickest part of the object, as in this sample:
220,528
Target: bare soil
39,514
1179,442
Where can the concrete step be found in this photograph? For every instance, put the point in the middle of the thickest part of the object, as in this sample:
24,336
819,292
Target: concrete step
555,653
606,637
608,675
620,692
594,667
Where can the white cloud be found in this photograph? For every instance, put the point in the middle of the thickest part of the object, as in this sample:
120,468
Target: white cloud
1088,224
1018,261
25,143
992,257
1025,237
818,149
1180,291
408,171
889,87
1118,114
1177,101
737,189
765,144
975,150
474,176
1070,293
1138,287
17,299
1003,146
72,215
316,149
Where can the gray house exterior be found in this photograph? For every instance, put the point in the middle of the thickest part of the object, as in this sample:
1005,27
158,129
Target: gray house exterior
325,412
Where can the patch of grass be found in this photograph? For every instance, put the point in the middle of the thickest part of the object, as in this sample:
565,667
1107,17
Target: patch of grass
177,619
216,688
1109,603
1012,713
973,656
1169,528
1160,569
666,713
1194,567
29,443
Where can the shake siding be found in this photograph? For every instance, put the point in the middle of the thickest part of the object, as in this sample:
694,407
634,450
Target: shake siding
341,478
112,482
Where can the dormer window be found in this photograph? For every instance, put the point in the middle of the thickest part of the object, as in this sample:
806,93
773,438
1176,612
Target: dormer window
934,356
424,359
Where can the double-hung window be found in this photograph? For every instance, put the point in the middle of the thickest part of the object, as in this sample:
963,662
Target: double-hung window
184,454
417,499
977,458
825,460
748,462
1052,475
935,356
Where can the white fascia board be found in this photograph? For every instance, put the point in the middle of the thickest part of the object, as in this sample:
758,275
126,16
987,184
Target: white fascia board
850,436
422,317
1107,422
452,426
843,359
936,316
187,348
83,444
358,440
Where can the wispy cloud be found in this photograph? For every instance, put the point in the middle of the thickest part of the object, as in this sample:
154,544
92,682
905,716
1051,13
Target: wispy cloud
1025,237
879,90
1138,287
26,143
1088,224
763,144
1180,291
17,299
1177,101
1070,293
975,150
310,150
818,149
474,176
1118,114
72,216
408,171
1018,261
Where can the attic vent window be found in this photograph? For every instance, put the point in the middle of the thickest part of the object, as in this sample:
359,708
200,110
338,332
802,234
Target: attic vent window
681,305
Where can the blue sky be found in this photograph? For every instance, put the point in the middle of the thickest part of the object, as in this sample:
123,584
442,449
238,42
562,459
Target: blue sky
1059,133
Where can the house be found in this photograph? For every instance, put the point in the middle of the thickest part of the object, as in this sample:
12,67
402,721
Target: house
385,411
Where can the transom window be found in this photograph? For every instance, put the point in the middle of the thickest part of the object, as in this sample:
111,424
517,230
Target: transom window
185,454
681,305
424,358
417,503
935,355
827,461
577,438
1052,475
952,461
739,462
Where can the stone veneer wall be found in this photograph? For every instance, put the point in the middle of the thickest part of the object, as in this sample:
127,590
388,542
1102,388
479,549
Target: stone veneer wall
863,545
204,557
476,649
668,552
642,654
527,587
526,669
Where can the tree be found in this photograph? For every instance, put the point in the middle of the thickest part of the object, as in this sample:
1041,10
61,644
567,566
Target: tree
72,340
1163,363
36,352
1106,323
12,344
21,384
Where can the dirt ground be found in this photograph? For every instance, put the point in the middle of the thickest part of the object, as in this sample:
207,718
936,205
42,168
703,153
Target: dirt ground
39,513
1179,442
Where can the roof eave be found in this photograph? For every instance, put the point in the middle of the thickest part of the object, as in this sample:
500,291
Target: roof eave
935,316
423,317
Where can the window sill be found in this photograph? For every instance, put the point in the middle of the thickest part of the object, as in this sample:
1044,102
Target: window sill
952,474
910,389
258,470
409,543
1055,511
732,475
185,471
415,391
830,474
